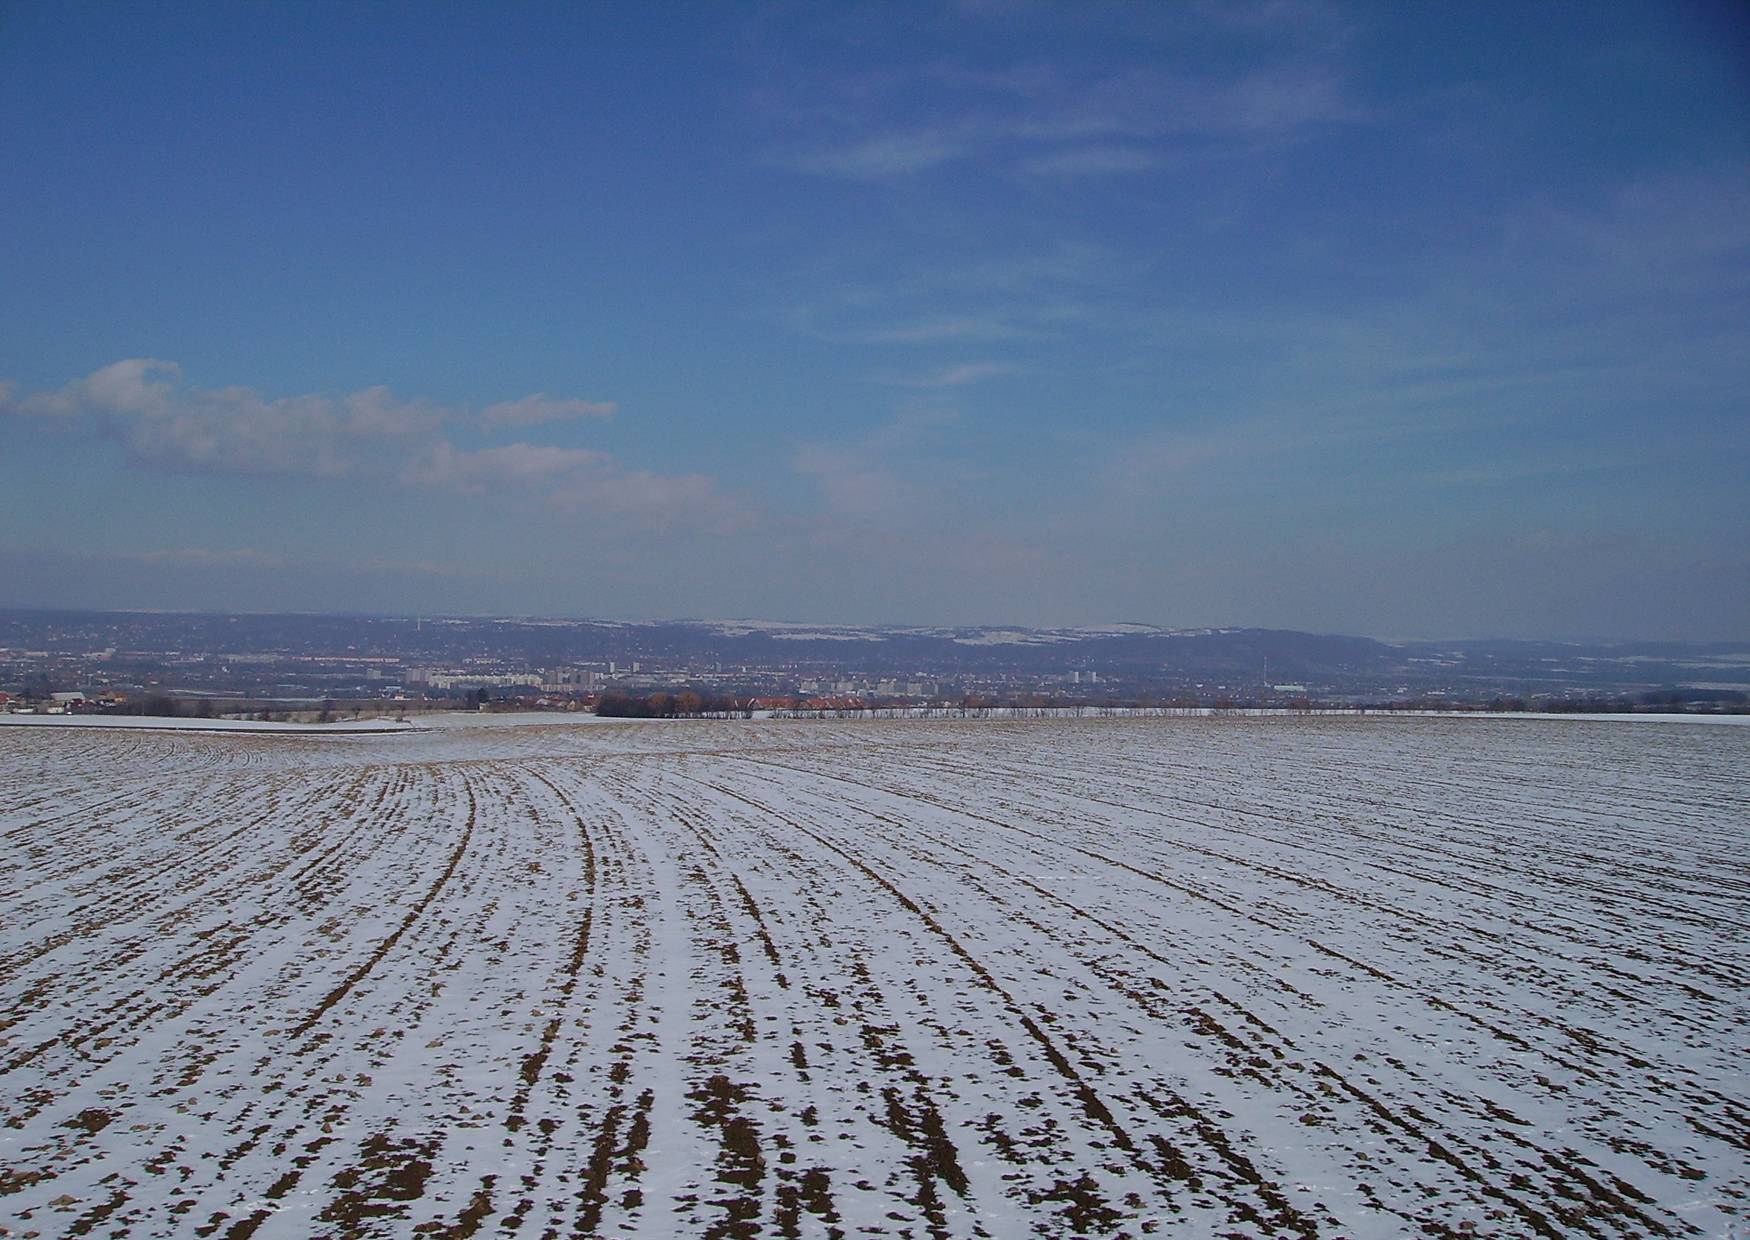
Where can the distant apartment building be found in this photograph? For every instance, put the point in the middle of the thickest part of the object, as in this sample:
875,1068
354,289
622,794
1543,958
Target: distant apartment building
473,680
570,679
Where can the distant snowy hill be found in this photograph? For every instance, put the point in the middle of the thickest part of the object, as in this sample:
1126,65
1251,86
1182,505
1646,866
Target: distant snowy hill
1141,656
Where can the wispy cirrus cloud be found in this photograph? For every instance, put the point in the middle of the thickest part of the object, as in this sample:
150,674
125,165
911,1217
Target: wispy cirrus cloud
958,375
993,298
540,409
443,465
1052,124
869,316
885,156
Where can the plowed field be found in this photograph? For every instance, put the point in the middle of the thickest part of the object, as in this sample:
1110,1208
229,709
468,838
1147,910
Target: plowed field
1195,977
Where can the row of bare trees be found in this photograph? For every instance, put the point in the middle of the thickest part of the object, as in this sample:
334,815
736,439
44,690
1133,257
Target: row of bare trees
684,705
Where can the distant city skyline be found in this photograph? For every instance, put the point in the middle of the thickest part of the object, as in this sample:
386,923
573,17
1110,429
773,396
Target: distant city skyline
1404,321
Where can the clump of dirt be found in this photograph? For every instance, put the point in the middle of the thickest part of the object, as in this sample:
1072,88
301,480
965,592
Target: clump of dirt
388,1174
739,1161
92,1120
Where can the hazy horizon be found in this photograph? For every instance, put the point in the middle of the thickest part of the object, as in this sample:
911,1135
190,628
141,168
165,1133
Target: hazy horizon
1315,316
775,621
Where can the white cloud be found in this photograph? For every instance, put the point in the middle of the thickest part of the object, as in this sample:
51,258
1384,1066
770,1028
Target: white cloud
538,409
127,387
142,403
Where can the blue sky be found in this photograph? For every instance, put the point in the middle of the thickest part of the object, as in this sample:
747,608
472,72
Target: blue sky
1408,320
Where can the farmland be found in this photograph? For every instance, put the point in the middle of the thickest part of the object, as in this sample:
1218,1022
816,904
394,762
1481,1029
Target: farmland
1251,977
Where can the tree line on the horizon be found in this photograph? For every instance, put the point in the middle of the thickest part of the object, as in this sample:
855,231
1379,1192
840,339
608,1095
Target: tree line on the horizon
684,705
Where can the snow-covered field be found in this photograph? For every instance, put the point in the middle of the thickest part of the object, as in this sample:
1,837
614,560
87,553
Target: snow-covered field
1194,977
152,723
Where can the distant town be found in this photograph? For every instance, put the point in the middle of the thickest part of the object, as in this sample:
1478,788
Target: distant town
321,666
